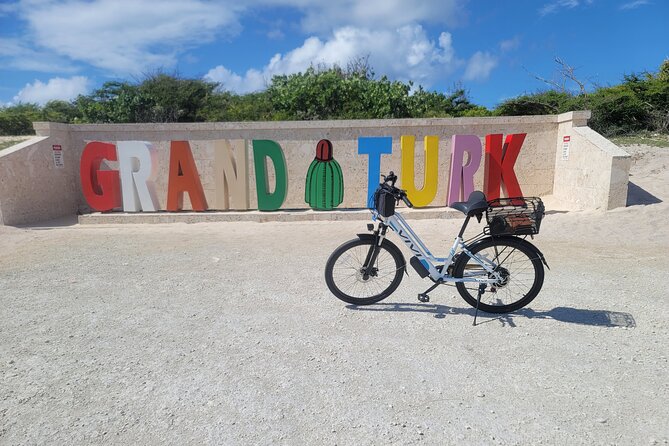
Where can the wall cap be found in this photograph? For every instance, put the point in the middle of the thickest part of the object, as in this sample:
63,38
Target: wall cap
45,128
601,142
579,118
22,145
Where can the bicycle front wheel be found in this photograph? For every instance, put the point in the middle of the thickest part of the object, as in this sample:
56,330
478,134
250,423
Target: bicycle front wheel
520,267
344,272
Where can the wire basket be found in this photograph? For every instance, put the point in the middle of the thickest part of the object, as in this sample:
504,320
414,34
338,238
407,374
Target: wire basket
514,216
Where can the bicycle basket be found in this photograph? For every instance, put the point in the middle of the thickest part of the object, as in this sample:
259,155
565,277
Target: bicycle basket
384,202
514,216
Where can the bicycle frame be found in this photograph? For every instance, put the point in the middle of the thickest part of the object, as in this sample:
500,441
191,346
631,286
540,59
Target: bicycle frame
400,226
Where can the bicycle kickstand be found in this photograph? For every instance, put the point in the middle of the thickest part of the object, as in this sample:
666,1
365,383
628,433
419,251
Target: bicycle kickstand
482,288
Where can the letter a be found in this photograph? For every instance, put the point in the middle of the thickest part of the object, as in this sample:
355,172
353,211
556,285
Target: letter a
184,178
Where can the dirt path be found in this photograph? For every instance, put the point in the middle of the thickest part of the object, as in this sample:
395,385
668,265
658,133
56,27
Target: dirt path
225,333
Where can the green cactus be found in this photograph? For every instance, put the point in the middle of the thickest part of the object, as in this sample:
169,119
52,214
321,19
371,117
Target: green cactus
324,188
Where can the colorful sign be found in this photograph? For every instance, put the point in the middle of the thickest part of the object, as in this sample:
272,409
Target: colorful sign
132,187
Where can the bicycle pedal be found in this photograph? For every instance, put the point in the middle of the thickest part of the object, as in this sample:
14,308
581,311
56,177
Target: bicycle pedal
423,298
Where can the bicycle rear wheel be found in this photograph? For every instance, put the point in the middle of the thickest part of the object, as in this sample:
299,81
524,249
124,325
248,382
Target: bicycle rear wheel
344,272
521,268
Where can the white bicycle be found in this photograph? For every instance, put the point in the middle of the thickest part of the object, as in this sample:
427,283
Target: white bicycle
497,271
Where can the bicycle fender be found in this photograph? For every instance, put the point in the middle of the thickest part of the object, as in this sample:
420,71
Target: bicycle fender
521,240
388,243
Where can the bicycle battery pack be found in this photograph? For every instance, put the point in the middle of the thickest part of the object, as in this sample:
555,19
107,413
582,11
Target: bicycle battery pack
419,267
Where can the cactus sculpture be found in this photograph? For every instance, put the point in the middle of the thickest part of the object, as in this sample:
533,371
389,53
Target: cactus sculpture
324,188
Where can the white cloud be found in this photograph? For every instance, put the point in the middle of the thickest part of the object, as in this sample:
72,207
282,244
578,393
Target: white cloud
634,4
323,16
479,66
15,53
253,80
127,36
510,44
556,5
405,53
56,88
8,8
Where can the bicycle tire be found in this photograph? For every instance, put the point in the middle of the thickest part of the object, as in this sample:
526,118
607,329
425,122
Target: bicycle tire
390,264
523,268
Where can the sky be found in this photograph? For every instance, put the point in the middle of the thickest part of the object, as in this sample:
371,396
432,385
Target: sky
58,49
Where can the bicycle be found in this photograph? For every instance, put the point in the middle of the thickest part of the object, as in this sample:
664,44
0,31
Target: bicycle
497,271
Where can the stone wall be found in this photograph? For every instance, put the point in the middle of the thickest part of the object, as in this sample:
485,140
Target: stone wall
595,172
32,189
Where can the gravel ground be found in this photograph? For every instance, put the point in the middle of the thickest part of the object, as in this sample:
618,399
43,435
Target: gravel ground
225,333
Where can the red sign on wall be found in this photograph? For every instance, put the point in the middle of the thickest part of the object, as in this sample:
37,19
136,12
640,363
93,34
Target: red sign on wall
565,147
58,156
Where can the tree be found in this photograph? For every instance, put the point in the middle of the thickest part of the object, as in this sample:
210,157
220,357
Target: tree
169,98
60,111
157,98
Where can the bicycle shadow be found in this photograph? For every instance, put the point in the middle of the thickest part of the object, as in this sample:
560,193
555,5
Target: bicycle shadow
598,318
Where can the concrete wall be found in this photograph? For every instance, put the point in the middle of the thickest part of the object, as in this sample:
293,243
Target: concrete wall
595,173
540,171
32,189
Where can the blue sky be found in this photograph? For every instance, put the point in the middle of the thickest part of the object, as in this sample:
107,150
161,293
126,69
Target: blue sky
57,49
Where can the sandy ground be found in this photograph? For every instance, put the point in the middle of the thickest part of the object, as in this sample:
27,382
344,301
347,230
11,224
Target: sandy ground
225,333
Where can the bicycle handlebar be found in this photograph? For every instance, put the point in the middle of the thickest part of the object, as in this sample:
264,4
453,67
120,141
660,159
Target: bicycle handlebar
398,193
405,199
390,178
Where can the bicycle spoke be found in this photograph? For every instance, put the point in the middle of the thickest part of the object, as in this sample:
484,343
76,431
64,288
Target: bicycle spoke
347,272
518,272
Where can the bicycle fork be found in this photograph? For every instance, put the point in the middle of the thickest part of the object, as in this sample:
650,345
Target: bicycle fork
373,253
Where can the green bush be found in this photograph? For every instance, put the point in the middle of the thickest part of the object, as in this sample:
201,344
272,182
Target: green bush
639,103
18,119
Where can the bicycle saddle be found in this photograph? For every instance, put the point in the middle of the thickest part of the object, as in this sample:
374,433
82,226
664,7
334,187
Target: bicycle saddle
476,204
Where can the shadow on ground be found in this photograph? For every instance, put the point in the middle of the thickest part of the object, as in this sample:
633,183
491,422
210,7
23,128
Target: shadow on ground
70,220
599,318
637,195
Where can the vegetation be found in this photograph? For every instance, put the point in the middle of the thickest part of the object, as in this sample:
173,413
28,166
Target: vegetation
10,142
651,139
639,104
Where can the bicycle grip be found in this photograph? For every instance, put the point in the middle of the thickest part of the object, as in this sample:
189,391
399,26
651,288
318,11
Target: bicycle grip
406,200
